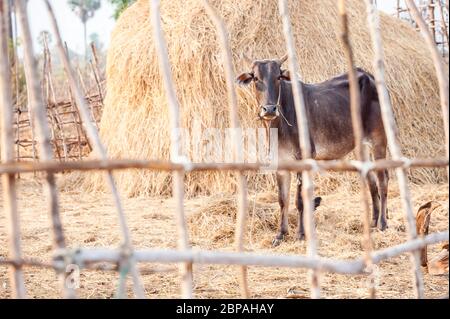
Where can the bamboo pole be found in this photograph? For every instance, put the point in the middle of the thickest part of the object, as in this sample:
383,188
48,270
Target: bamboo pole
356,266
432,18
100,150
86,92
358,131
7,156
46,95
439,65
304,142
293,166
175,151
235,123
96,70
76,112
443,26
51,97
43,132
86,258
391,134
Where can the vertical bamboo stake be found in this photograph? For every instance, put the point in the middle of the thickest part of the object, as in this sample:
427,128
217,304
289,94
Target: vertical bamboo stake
7,156
443,25
43,131
391,134
45,93
175,151
438,65
86,92
15,67
233,113
358,131
95,70
76,113
432,17
51,98
100,151
305,145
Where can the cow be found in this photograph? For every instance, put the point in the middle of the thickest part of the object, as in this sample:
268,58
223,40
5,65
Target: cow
330,126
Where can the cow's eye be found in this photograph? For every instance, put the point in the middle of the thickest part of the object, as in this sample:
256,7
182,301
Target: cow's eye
255,78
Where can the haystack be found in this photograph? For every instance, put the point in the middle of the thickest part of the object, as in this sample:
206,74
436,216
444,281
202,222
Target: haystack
135,118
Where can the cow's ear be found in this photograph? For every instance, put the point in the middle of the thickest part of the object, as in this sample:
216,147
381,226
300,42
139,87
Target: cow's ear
285,75
244,79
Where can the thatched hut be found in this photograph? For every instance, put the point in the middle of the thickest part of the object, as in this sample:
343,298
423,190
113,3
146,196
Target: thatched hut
135,117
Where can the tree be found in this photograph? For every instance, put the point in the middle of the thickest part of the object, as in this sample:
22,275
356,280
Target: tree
84,9
120,6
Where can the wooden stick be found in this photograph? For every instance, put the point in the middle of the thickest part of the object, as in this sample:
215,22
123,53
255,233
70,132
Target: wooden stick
444,25
294,166
51,96
98,148
96,70
76,114
46,94
7,155
175,151
391,134
304,142
43,132
355,266
87,257
358,131
432,18
15,67
86,92
439,66
233,114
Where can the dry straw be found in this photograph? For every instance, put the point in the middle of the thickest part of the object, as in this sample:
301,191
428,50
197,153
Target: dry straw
135,118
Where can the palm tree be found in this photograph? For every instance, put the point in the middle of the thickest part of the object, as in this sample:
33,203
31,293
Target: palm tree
84,9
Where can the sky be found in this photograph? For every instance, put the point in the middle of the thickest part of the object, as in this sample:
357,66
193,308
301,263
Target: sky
70,25
103,23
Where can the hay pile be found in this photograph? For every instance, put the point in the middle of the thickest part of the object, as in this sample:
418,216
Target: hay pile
135,119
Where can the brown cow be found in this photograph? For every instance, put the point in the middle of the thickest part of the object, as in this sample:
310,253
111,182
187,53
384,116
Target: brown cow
329,117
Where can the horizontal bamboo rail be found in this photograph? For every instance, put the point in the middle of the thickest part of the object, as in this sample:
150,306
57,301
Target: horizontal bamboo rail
293,166
83,257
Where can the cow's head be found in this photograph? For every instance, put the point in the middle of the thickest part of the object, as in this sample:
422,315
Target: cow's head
265,77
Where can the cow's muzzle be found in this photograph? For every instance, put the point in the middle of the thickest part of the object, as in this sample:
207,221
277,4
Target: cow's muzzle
269,112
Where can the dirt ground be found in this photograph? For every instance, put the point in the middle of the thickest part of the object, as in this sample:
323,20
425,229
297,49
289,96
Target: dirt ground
90,220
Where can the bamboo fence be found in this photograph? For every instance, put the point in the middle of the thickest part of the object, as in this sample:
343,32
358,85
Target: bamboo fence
124,259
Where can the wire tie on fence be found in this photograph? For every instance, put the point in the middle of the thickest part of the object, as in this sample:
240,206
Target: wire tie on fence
124,265
59,260
183,161
406,162
363,167
313,164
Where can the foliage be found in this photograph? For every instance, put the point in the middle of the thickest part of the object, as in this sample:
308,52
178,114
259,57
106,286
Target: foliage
120,6
84,9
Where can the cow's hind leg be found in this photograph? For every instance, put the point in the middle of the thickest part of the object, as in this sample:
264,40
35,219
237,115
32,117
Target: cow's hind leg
379,152
383,179
299,206
284,185
372,180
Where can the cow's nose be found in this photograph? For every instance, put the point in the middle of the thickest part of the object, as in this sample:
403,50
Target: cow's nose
270,109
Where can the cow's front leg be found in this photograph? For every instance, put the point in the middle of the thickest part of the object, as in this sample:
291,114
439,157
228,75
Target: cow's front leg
299,205
284,183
